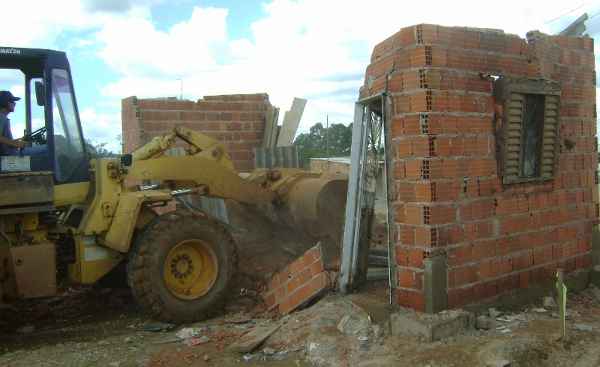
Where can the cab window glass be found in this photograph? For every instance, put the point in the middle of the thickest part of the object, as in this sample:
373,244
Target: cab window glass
37,112
68,143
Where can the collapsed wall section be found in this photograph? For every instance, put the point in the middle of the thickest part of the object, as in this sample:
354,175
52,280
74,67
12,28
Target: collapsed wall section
450,130
237,121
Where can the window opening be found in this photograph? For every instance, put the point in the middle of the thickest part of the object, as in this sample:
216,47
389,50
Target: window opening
533,127
528,134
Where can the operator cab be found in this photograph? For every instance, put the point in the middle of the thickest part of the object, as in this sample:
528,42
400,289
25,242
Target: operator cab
51,122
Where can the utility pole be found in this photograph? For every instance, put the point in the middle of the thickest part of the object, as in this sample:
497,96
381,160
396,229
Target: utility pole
180,88
327,137
327,141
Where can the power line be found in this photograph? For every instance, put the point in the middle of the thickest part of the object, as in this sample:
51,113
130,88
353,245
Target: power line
562,15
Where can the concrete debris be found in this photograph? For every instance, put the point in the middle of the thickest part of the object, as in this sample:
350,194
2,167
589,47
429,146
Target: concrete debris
252,340
248,292
268,354
431,327
188,332
269,351
511,318
354,324
503,329
549,303
484,323
583,327
323,353
494,313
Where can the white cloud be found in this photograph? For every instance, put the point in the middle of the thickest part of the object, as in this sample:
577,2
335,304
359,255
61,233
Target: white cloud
306,48
116,6
134,47
38,23
102,128
300,48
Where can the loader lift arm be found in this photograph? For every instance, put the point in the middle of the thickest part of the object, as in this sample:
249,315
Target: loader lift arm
206,165
199,145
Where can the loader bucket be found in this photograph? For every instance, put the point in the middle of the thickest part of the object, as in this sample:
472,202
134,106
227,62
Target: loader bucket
316,206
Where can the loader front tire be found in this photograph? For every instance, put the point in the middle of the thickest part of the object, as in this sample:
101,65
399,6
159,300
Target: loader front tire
180,267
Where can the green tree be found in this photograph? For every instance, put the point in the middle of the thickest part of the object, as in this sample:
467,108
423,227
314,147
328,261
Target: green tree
98,150
322,142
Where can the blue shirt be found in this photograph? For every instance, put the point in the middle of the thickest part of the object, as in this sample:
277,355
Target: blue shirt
6,133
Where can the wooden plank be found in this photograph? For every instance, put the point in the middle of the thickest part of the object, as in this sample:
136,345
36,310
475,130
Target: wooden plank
269,126
291,121
275,130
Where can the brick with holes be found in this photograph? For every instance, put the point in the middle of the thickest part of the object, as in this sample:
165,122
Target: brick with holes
297,283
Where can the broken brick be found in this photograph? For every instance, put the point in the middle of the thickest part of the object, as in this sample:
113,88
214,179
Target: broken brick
298,283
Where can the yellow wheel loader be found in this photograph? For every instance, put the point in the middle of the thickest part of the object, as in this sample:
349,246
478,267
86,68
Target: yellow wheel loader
64,215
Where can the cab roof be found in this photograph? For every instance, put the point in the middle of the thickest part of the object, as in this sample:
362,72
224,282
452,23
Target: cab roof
32,61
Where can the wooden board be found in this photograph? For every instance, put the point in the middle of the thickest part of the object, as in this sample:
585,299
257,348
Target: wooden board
291,121
270,124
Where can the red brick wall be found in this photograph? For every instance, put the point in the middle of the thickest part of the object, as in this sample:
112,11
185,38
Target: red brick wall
130,125
238,121
449,197
297,283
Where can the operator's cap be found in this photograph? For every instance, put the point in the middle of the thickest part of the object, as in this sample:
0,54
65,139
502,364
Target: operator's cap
6,96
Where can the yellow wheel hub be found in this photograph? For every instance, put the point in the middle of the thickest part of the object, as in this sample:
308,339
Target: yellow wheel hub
190,269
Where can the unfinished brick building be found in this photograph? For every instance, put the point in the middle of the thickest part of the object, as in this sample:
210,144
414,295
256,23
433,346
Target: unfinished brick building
238,121
494,158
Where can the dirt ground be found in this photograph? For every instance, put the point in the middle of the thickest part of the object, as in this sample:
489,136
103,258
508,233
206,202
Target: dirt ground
101,326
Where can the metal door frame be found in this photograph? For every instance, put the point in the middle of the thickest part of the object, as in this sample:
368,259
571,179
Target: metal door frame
351,270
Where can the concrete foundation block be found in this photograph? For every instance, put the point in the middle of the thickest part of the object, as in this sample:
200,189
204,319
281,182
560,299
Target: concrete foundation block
431,327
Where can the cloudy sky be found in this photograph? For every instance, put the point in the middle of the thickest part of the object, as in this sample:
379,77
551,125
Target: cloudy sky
316,49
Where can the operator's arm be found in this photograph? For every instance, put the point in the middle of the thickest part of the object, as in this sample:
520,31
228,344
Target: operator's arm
13,143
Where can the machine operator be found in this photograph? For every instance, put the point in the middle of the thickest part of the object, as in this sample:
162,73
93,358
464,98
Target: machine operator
8,145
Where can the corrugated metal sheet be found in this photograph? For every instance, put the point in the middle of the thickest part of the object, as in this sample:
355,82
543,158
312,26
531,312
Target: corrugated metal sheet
279,157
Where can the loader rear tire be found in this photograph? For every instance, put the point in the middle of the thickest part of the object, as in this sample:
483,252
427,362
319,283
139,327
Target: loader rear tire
181,266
